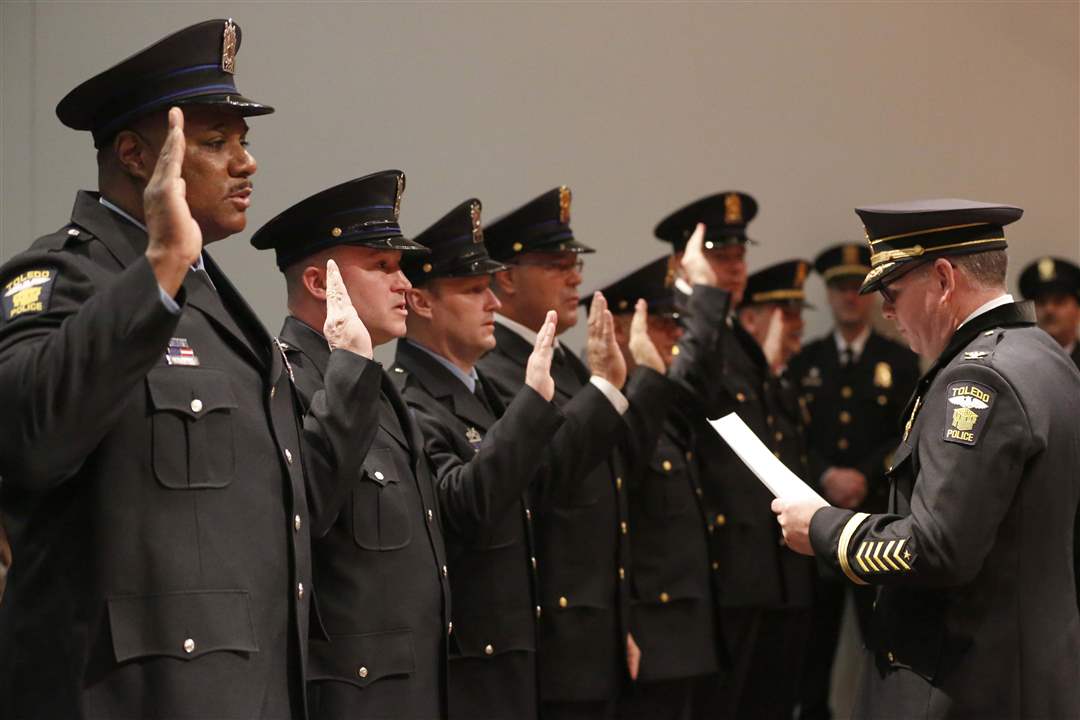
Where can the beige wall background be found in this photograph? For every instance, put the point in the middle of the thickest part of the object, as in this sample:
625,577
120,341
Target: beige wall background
640,107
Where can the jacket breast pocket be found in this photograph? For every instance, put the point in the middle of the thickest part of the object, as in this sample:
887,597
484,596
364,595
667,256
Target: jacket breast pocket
361,660
192,443
181,625
381,519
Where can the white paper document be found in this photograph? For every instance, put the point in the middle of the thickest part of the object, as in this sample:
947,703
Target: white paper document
769,470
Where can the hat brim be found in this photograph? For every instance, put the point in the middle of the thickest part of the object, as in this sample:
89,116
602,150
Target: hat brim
246,106
570,245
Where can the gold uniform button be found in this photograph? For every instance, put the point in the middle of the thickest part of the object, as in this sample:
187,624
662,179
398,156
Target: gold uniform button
362,673
666,465
779,436
528,514
427,267
845,417
563,602
430,515
622,573
288,456
892,658
846,392
533,561
770,419
623,527
675,350
715,565
196,405
398,370
445,572
689,456
664,597
189,646
336,232
882,400
721,519
518,246
273,392
450,628
300,590
297,523
489,650
741,397
700,492
842,443
618,483
539,612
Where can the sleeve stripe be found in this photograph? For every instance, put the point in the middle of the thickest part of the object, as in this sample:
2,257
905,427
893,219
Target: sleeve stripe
842,546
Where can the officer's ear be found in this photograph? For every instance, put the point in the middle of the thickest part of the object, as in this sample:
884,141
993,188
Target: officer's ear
313,280
504,283
133,155
418,302
944,275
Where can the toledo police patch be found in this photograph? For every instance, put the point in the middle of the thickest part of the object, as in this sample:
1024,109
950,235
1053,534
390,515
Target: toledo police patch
27,292
967,409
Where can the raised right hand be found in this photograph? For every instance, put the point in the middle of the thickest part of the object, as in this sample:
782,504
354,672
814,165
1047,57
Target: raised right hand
601,348
773,346
538,367
695,265
175,238
343,327
642,348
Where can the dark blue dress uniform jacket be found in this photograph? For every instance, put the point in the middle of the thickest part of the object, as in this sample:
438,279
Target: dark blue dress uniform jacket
380,566
159,510
976,614
581,521
485,455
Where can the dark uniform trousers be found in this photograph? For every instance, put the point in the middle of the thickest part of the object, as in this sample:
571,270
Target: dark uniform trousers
485,455
976,614
152,471
381,568
581,524
673,612
764,590
854,410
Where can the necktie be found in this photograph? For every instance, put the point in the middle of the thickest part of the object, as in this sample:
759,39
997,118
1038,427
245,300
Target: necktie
848,357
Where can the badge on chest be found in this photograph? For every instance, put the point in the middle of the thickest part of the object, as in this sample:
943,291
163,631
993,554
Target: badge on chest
474,438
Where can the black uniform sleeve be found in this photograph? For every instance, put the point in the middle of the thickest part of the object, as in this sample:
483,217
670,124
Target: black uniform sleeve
967,464
68,367
701,351
476,492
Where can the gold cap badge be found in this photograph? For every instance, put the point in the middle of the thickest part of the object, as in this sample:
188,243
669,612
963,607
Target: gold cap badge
564,205
1047,270
732,209
397,196
800,274
883,375
228,48
477,230
851,255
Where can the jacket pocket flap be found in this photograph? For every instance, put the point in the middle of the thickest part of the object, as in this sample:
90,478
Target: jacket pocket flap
901,454
379,466
190,391
183,625
495,633
362,659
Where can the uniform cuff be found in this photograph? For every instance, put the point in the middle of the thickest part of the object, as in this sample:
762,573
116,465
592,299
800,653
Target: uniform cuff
612,393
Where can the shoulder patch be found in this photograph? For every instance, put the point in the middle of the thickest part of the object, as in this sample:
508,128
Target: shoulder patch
28,292
967,411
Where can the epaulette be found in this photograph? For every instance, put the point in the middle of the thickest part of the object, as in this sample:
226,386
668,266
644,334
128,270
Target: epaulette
398,376
63,238
981,349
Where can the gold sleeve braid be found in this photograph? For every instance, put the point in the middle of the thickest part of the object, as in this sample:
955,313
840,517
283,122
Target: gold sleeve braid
842,546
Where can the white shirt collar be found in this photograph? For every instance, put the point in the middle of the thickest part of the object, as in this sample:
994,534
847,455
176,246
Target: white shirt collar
525,333
856,345
197,265
986,307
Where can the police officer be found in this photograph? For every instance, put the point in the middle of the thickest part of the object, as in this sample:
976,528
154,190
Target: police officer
855,383
1054,285
580,517
672,606
151,453
485,454
380,564
763,589
976,613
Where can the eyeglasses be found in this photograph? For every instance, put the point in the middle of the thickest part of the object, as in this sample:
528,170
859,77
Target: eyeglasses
559,266
888,294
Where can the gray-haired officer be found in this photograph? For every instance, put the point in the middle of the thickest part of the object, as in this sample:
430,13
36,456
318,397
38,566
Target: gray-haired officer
976,614
152,456
855,383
